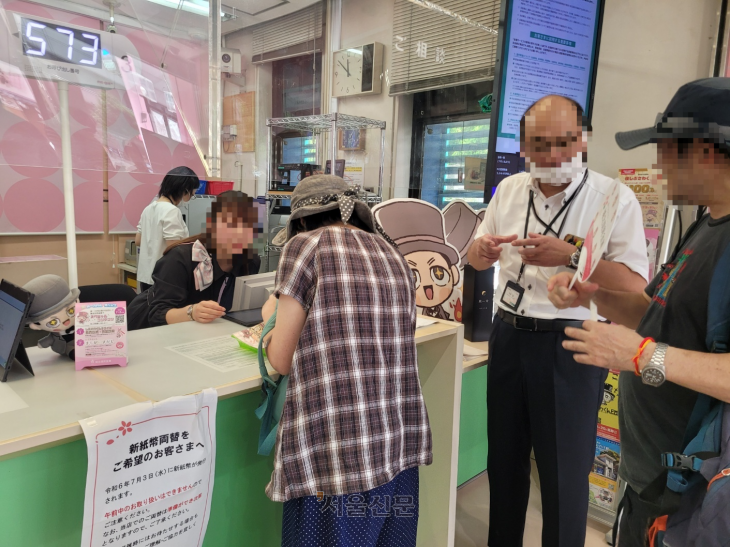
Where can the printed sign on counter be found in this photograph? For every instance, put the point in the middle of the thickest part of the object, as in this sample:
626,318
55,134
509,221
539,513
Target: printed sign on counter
150,474
101,334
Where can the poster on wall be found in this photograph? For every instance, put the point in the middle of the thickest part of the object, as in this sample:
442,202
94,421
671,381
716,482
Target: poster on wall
355,173
150,473
475,169
648,192
603,480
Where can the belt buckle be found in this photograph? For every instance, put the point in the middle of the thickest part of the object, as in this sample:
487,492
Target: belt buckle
521,322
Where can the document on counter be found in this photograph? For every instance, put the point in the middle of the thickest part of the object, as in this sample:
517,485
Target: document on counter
222,354
423,322
9,400
472,352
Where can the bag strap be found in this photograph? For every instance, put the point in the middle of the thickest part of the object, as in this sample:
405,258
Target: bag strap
268,327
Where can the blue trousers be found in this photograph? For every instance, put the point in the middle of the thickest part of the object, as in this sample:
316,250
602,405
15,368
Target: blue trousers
539,397
386,516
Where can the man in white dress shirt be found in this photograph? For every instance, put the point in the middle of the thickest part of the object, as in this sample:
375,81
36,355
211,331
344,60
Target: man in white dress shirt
538,397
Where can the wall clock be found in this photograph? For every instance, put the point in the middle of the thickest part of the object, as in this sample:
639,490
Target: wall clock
357,70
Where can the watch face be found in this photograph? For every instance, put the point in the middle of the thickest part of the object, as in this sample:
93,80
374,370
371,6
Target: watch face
348,67
653,376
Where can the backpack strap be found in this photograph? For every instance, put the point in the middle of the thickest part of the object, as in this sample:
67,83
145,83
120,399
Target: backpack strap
702,435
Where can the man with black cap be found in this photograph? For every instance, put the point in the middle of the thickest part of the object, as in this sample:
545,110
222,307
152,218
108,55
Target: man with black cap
659,388
537,396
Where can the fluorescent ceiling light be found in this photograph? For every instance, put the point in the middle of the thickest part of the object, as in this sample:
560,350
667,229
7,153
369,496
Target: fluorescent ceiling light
199,7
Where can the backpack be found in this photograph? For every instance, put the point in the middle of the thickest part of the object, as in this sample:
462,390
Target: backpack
272,406
700,476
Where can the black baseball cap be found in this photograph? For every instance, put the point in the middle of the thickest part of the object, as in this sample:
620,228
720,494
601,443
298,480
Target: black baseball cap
699,109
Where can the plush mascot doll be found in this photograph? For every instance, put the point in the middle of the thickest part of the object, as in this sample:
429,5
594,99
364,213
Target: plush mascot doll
53,310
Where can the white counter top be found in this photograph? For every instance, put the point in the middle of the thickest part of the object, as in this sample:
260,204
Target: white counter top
58,396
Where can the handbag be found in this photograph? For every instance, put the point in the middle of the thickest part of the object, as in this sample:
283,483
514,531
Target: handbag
272,406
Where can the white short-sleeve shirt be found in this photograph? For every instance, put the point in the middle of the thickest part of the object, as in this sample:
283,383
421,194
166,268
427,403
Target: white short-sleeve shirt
160,221
506,216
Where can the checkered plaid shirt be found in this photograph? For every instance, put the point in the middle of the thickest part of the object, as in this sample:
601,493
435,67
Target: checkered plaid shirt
354,415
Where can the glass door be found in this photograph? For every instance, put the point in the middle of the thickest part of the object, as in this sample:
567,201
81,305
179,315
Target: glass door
453,154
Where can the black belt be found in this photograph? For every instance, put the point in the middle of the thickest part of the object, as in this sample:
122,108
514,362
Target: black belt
521,322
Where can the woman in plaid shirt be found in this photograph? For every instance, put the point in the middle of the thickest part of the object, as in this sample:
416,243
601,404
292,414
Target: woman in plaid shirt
354,427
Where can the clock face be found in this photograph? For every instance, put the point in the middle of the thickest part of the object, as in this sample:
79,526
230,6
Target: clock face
348,72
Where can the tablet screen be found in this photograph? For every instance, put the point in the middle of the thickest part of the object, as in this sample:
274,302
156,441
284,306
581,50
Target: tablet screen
12,316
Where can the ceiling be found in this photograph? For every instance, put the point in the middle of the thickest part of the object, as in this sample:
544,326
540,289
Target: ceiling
162,18
253,12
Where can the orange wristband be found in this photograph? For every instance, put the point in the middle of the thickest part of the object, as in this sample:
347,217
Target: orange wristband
645,342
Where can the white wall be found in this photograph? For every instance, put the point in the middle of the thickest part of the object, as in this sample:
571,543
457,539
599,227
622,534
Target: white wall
649,48
248,169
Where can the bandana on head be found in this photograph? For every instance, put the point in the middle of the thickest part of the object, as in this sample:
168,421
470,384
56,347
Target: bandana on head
203,272
345,201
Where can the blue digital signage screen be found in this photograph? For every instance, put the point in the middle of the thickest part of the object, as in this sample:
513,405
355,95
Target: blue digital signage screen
545,47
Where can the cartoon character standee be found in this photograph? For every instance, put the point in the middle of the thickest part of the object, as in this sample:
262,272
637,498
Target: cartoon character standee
417,228
53,310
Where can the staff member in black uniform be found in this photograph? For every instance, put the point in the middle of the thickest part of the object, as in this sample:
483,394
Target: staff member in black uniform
538,396
195,278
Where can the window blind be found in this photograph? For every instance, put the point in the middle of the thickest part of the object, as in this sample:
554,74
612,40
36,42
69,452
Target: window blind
432,50
289,36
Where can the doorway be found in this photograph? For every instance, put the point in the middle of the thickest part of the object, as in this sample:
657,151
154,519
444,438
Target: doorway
450,142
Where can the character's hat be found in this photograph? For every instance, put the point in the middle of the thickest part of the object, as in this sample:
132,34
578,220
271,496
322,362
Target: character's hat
462,223
51,296
415,225
320,193
699,109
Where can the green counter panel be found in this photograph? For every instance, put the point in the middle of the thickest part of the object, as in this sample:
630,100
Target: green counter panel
42,494
473,445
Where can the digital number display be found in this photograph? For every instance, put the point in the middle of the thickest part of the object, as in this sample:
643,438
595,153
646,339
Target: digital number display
59,43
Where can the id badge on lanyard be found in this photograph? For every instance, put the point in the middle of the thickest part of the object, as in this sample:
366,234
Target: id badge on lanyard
513,291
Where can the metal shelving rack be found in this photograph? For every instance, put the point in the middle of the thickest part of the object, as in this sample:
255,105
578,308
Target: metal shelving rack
317,125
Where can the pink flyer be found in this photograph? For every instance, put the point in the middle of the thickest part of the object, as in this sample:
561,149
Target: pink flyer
101,334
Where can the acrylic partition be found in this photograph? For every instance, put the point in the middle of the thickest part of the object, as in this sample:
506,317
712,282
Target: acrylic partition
104,99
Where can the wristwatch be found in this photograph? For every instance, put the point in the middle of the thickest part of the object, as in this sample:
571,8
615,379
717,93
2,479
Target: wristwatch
654,373
574,259
190,312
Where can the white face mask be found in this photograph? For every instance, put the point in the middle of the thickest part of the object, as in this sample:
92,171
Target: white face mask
557,176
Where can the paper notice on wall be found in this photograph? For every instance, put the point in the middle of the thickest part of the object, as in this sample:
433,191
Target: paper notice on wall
355,173
648,192
150,474
475,171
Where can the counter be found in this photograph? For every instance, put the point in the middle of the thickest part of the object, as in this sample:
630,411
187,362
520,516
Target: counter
43,453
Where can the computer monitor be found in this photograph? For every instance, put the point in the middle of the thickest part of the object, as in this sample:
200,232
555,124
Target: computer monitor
250,291
14,308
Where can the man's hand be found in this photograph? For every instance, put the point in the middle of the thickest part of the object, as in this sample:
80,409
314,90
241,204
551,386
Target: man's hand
546,251
207,311
489,246
603,345
562,297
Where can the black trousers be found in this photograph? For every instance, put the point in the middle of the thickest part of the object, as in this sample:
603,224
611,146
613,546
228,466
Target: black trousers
539,397
143,287
635,518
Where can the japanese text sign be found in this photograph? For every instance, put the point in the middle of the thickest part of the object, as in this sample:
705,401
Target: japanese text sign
151,473
101,334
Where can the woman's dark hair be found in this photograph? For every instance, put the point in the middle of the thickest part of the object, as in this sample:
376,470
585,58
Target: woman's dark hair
327,218
243,211
179,182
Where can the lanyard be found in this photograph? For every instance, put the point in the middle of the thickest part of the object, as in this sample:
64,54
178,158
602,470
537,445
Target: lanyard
549,227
